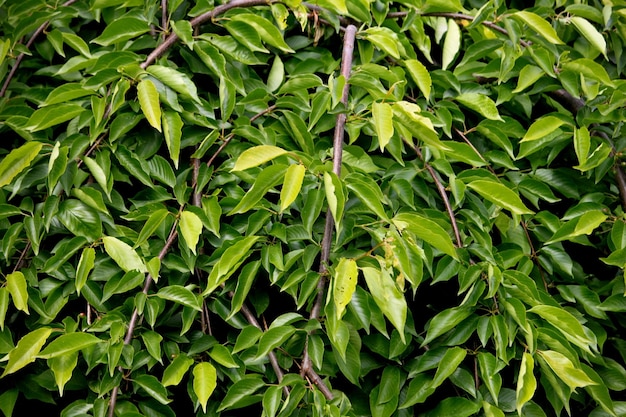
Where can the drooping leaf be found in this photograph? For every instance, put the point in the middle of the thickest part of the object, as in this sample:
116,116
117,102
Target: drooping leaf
448,364
344,283
382,117
153,387
190,228
175,371
229,262
565,369
539,25
181,295
17,287
500,195
451,45
62,367
481,104
420,75
256,156
590,33
18,160
149,101
526,382
387,296
85,266
335,197
427,230
291,185
567,324
123,254
121,30
172,130
67,344
53,115
26,350
204,382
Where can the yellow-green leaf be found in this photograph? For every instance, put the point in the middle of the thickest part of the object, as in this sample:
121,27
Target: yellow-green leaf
542,127
565,369
590,33
176,370
16,284
451,45
500,195
582,144
62,368
387,296
382,117
173,131
481,104
539,25
123,254
149,101
26,350
344,284
420,75
204,382
427,230
85,265
190,228
526,382
256,156
17,160
291,185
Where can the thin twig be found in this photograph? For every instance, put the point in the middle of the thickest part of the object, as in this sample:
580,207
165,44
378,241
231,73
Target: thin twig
346,69
164,22
135,316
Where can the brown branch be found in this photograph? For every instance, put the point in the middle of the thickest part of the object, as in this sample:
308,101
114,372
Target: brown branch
172,38
164,22
135,316
346,69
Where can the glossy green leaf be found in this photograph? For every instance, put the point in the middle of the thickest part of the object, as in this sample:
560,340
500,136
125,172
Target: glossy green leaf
121,30
152,340
180,295
204,382
66,92
256,156
539,25
273,338
62,367
490,367
526,382
267,179
590,33
67,344
176,80
455,406
582,144
184,30
445,321
240,391
569,373
85,266
387,296
335,197
589,69
190,228
527,77
123,254
419,73
228,263
151,225
122,283
153,387
427,230
500,195
291,185
149,101
344,283
266,30
172,130
17,287
4,306
271,400
481,104
567,324
101,176
448,364
382,117
583,225
384,39
18,160
368,192
53,115
542,127
421,127
26,350
451,45
176,371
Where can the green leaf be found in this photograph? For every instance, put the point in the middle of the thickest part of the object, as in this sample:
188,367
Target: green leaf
155,220
4,306
180,295
80,219
190,228
539,25
121,283
420,75
335,197
277,75
221,355
384,39
426,230
273,338
421,127
123,254
481,104
173,131
490,367
268,178
455,406
153,387
17,287
582,144
583,225
564,368
368,192
590,69
121,30
98,172
67,344
542,127
241,391
266,30
204,382
256,156
66,92
229,262
271,400
53,115
382,118
17,160
387,296
184,31
247,35
567,324
175,371
26,350
590,33
445,321
344,283
149,101
526,382
500,195
527,77
244,284
291,185
451,45
176,80
448,364
85,266
62,367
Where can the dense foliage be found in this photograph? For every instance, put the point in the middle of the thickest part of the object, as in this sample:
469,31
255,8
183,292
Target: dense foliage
347,208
